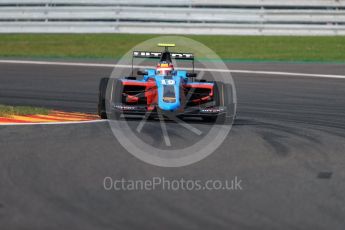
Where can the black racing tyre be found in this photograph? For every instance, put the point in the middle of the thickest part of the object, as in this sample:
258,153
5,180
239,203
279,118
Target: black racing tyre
149,117
115,115
115,93
222,96
102,98
209,118
218,119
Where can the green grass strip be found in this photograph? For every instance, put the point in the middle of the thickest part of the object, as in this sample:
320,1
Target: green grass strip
7,111
230,48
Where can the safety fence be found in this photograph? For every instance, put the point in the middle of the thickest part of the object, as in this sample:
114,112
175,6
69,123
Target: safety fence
246,17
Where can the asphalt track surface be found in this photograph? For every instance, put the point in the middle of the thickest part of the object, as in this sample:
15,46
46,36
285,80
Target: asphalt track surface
287,146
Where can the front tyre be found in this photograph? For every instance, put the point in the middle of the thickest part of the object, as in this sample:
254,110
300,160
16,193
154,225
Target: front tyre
102,98
115,96
222,97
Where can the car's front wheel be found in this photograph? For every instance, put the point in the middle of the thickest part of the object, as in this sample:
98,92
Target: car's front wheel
101,98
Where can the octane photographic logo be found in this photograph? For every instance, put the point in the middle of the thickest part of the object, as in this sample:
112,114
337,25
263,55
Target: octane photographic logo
167,140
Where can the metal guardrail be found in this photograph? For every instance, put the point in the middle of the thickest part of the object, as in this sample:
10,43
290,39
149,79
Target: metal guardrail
264,3
169,28
168,14
252,17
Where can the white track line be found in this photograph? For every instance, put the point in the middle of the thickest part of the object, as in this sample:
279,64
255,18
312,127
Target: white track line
53,123
198,69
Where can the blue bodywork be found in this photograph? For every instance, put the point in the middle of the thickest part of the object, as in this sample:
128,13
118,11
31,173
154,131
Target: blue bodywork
163,82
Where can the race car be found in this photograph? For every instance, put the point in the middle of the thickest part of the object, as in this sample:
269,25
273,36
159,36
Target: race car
165,92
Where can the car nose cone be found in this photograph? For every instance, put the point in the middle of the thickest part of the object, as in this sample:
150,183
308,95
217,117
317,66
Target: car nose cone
169,106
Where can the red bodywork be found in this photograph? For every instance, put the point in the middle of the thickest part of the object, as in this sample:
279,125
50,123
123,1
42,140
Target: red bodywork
149,91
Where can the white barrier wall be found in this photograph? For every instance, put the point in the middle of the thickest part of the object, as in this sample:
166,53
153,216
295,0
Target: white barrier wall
246,17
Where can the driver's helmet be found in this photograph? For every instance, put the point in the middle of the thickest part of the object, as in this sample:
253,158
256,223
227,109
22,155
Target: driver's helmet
164,68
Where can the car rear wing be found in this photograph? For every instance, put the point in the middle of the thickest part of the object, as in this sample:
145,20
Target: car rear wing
157,55
151,54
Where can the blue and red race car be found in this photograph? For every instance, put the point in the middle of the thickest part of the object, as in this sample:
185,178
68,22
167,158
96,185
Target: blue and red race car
165,91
